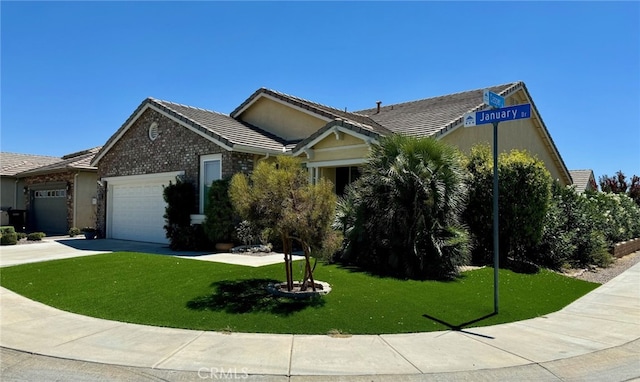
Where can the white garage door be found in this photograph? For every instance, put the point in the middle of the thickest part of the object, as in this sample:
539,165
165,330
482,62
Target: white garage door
137,208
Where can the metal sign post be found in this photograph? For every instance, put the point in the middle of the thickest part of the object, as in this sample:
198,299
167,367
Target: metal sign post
496,247
494,116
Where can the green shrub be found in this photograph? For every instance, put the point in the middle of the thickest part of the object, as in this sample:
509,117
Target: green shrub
181,200
74,231
21,235
7,229
36,236
524,187
617,216
8,236
402,217
571,234
219,215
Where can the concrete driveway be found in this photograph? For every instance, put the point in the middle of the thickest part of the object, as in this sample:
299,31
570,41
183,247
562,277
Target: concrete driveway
66,247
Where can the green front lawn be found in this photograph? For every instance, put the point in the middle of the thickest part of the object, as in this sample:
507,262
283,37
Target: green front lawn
186,293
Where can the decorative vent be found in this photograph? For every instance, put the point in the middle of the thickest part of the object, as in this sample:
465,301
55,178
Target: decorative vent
153,131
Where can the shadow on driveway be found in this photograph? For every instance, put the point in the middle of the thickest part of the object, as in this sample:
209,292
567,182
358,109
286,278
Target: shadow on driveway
112,245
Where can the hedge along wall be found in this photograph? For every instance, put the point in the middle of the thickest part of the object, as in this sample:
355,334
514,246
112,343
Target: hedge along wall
626,247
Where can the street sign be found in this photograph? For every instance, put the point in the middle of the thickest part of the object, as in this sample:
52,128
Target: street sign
497,115
493,99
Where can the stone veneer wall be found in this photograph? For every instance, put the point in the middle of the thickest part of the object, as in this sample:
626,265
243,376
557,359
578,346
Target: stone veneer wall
175,149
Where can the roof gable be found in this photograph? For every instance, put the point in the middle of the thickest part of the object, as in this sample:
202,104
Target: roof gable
324,112
582,179
223,130
359,130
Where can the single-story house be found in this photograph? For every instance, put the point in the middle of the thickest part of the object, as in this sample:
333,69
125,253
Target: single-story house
162,140
583,180
61,194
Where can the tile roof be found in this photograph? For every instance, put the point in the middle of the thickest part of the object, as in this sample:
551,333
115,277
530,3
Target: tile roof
426,117
222,127
580,179
12,163
429,116
80,160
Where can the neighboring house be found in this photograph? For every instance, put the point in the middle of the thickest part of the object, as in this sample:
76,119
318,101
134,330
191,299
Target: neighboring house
583,180
62,194
162,140
12,188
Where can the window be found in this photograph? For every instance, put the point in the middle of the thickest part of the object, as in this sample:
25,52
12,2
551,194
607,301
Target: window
210,170
344,177
153,131
51,194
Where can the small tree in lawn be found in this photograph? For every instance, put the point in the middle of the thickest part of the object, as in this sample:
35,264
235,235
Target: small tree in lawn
278,195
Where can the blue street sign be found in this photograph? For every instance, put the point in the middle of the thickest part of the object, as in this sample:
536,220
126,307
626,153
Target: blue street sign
493,99
497,115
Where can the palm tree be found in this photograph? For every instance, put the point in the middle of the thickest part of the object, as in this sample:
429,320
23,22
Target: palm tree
405,210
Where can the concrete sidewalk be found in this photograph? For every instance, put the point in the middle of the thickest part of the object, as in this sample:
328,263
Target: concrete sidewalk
596,337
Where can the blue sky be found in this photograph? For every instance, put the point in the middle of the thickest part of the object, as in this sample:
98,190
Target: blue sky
73,72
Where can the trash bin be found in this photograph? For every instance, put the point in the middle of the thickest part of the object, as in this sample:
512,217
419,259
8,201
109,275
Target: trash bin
18,219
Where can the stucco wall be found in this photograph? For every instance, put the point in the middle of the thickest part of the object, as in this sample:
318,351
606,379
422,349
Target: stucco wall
347,147
87,187
8,194
345,140
329,173
520,134
337,155
283,121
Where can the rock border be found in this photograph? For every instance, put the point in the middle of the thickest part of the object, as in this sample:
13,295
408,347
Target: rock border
280,290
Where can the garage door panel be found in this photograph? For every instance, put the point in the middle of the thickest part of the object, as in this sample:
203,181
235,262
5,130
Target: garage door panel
50,211
138,212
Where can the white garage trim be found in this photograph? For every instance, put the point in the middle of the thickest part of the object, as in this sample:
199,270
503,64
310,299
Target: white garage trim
143,178
135,206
